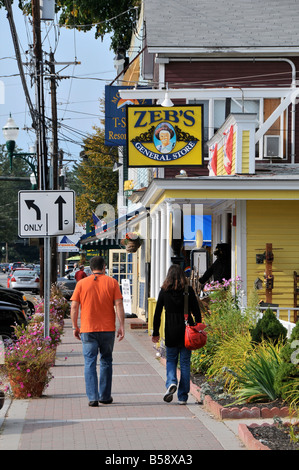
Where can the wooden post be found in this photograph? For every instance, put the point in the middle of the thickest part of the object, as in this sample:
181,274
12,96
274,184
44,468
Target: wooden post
269,275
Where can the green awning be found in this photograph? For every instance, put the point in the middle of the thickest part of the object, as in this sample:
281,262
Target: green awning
97,244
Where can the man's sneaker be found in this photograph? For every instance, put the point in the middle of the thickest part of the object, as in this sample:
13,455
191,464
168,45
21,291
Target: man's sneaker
182,402
169,394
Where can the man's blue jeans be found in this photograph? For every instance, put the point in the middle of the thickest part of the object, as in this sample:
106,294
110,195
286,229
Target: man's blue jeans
172,356
93,343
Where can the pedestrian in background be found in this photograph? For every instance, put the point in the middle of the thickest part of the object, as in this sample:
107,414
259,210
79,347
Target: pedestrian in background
80,274
171,297
97,297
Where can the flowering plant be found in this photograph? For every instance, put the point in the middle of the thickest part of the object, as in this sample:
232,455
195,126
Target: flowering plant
132,236
132,242
28,359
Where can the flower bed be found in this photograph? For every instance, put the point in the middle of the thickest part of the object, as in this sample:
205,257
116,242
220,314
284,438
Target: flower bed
269,437
222,405
251,358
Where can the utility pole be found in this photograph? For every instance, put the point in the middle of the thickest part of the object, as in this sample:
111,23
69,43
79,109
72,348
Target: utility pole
54,158
41,147
39,87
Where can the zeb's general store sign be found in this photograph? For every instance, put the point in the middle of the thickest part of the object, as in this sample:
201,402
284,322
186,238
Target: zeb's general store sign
159,136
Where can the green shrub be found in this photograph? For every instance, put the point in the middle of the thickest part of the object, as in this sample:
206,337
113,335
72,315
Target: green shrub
230,355
225,320
269,328
286,380
256,378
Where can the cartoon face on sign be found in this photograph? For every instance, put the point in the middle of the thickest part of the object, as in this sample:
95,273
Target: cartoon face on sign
164,137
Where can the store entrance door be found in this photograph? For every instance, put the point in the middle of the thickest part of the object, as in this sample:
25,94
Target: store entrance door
123,265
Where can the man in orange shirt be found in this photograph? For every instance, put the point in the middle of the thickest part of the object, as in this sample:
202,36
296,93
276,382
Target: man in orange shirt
97,296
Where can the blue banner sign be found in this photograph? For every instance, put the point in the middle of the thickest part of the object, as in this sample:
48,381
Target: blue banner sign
115,115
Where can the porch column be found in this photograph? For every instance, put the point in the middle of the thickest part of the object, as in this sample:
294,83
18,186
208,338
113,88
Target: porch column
168,247
163,244
241,244
153,255
157,257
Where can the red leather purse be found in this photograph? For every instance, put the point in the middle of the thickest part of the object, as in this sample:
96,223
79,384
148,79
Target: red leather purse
195,336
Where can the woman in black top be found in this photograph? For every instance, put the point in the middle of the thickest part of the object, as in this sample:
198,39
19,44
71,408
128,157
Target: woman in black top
171,297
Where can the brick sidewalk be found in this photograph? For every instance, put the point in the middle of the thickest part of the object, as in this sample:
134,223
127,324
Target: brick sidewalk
138,418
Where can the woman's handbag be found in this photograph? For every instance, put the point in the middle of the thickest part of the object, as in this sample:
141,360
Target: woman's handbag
195,336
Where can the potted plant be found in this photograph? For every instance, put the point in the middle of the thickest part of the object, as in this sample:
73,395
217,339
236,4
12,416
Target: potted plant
28,359
132,241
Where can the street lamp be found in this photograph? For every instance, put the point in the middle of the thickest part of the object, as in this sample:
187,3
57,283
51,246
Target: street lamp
10,133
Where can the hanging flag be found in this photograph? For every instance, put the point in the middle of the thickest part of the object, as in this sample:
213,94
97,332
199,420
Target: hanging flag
228,151
213,161
95,219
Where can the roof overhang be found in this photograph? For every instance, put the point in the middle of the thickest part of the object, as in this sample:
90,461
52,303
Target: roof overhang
223,52
206,93
211,190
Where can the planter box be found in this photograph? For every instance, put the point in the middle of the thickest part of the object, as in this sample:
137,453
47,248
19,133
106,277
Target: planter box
221,412
249,440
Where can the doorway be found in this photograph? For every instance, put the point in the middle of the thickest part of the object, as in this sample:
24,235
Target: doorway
123,265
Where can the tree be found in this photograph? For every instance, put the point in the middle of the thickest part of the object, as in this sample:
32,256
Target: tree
116,18
9,198
94,172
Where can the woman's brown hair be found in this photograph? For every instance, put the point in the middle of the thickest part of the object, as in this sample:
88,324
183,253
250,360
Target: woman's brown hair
175,279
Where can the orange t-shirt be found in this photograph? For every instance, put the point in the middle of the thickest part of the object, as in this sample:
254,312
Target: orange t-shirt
96,298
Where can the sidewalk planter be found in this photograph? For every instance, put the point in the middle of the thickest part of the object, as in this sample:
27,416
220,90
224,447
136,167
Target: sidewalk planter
28,360
29,383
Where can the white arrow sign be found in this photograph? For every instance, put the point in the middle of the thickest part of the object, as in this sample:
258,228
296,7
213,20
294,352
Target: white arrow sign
46,213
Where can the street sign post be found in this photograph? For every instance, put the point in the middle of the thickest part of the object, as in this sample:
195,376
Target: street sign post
46,214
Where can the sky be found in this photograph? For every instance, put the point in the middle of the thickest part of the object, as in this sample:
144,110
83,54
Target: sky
77,97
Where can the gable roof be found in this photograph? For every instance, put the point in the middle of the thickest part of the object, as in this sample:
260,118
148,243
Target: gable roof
222,25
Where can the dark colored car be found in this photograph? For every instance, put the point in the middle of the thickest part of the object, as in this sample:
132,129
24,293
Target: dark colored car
10,316
16,298
4,267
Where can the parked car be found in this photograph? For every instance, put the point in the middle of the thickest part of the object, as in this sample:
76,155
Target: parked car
25,280
17,264
37,268
18,299
68,283
10,316
11,273
4,267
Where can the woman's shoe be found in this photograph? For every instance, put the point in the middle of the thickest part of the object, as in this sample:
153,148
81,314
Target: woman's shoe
169,394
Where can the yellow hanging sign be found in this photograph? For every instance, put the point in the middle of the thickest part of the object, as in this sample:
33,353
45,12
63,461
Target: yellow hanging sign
159,136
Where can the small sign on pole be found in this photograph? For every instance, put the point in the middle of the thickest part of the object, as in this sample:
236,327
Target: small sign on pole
126,292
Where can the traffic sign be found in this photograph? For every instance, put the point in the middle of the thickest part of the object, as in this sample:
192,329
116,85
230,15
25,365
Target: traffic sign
46,213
